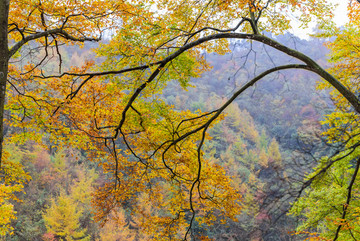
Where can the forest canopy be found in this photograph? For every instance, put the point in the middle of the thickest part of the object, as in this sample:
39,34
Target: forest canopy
111,137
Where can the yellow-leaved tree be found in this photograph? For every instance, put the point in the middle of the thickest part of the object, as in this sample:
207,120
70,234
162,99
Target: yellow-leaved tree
62,219
152,151
31,33
14,178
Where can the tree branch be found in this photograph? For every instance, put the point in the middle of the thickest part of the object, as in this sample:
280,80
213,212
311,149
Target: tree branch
58,31
348,199
312,65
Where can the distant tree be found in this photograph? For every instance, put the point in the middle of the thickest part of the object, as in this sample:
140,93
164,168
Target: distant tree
62,219
69,212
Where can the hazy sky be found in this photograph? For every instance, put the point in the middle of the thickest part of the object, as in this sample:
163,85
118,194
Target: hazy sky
340,12
340,18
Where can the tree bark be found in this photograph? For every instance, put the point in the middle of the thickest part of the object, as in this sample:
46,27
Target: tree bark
4,62
313,66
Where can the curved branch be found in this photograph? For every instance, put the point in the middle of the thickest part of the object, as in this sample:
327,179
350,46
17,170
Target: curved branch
206,125
216,113
236,94
312,65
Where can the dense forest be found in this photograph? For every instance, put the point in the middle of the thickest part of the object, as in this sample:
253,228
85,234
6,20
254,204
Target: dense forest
169,120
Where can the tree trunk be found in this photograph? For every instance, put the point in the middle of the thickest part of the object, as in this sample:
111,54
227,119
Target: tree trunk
4,61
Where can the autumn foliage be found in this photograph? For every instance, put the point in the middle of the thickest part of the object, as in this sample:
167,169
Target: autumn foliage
335,214
159,174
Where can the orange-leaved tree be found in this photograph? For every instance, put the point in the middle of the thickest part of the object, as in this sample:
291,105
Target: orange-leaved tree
152,151
152,145
31,33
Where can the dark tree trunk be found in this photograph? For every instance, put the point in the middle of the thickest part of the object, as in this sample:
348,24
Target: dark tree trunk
4,61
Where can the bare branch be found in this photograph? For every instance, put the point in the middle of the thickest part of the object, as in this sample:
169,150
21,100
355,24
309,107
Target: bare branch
56,32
